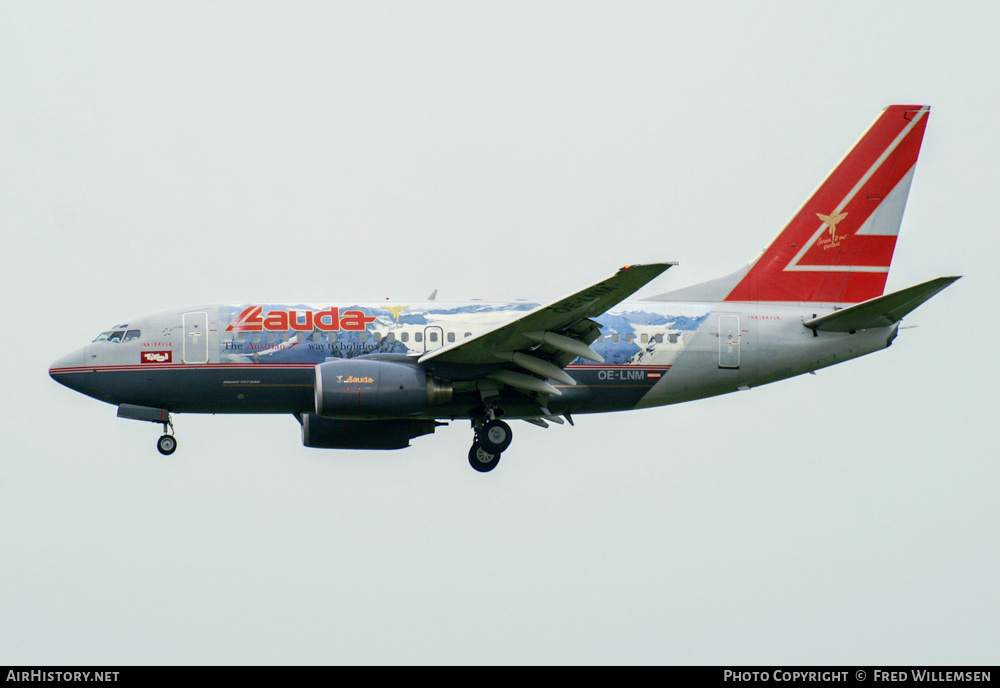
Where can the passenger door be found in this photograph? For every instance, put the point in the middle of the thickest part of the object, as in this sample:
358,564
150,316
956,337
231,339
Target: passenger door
195,338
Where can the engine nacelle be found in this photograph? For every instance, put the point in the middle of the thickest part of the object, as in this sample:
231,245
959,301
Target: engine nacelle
335,433
376,388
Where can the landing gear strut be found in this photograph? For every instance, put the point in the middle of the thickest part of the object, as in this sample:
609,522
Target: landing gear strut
492,438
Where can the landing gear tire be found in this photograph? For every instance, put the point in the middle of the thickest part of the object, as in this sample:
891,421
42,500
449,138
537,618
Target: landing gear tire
167,445
482,460
495,436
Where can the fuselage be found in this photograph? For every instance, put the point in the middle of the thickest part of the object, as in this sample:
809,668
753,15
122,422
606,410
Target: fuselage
261,358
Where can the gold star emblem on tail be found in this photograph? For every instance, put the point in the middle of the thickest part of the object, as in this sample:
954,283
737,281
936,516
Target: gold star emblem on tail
396,311
831,222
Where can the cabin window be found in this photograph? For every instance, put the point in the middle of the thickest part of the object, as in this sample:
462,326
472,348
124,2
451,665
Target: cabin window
363,336
672,337
451,336
391,337
614,338
600,339
433,336
630,338
468,334
376,337
418,337
644,338
405,336
659,339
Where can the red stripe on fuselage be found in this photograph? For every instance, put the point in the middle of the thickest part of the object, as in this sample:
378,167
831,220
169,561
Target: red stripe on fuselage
284,366
181,366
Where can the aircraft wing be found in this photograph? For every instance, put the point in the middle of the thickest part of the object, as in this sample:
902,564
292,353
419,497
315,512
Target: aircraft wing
544,340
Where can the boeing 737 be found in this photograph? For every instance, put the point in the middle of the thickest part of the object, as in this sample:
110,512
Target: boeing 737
374,376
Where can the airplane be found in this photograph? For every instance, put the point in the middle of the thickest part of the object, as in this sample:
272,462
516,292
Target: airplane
375,376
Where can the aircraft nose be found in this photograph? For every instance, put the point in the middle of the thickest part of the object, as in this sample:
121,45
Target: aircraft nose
65,363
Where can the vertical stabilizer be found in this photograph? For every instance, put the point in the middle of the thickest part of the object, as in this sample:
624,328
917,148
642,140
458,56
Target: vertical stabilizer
838,247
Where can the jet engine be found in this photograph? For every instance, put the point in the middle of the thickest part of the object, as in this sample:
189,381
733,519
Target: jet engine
376,388
334,433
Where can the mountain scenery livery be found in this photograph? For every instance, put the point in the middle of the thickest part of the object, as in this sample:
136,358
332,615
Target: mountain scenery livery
376,375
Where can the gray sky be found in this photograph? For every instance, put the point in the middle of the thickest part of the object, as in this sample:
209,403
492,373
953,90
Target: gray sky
161,155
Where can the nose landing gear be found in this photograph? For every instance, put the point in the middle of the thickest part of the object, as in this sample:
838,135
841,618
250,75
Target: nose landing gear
167,444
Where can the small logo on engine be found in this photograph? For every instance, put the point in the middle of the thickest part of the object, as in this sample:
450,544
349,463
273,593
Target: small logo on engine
351,379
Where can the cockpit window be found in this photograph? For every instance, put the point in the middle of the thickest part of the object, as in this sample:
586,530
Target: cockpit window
118,336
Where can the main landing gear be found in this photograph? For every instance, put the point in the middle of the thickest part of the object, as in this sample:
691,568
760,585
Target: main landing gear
491,439
482,460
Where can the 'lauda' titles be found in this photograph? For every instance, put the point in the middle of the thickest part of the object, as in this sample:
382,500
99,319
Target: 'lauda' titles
252,319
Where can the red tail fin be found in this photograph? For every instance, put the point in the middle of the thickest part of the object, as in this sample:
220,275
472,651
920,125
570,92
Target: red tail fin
838,247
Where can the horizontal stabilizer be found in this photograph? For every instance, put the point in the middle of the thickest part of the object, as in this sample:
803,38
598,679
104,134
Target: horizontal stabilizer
881,311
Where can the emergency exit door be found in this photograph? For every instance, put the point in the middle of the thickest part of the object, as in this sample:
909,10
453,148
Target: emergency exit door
433,338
